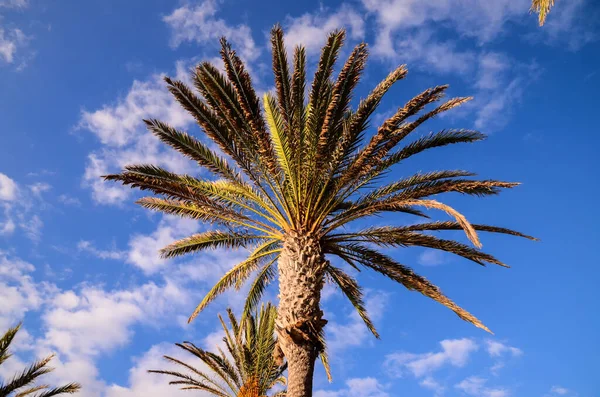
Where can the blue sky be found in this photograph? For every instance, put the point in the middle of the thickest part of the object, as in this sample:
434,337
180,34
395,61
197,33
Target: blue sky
78,260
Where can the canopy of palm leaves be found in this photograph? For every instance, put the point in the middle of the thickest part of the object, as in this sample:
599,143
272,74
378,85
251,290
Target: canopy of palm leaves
247,368
542,8
26,383
290,164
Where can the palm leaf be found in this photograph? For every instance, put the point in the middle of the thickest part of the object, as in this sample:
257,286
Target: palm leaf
238,274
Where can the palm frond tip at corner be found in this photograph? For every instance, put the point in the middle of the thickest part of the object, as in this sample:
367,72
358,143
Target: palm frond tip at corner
27,382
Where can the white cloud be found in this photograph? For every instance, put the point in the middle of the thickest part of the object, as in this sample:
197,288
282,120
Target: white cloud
475,386
455,352
357,387
14,3
32,227
144,249
69,200
119,124
492,65
498,349
93,321
39,187
85,322
18,291
482,20
121,130
7,226
311,29
142,383
431,258
199,24
10,41
423,50
560,391
568,24
8,188
433,385
87,246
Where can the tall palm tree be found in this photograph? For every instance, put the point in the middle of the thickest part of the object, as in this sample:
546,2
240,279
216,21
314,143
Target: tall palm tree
248,367
542,7
24,383
293,176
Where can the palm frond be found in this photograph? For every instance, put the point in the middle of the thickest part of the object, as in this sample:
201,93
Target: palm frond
193,149
457,226
403,275
281,72
70,388
5,342
250,104
238,273
353,292
246,366
341,95
209,240
443,138
264,277
542,7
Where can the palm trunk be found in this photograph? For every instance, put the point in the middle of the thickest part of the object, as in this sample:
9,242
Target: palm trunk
300,319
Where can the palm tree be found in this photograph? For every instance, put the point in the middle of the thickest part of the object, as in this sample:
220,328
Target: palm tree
542,7
293,174
24,383
248,367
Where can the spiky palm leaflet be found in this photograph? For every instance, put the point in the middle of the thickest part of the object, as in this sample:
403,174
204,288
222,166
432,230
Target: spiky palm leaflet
294,173
26,383
248,367
542,8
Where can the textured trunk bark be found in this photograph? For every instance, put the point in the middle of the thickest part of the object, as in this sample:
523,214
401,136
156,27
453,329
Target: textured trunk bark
300,319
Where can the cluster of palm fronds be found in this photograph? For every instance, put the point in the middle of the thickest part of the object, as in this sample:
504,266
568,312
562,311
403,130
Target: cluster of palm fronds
307,166
26,382
247,367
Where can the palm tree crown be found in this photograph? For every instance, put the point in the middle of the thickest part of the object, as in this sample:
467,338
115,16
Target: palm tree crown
247,368
295,173
24,383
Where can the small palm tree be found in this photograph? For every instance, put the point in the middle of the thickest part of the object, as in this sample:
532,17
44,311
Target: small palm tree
542,7
301,172
249,366
24,383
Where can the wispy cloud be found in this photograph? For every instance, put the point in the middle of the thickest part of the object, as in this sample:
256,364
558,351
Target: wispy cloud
454,352
199,23
88,246
357,387
556,391
476,387
311,29
14,3
432,258
120,129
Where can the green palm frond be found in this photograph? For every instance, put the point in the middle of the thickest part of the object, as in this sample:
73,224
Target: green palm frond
24,383
239,273
247,366
353,292
209,240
